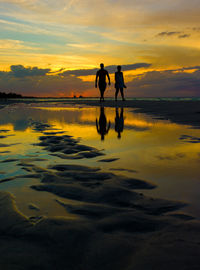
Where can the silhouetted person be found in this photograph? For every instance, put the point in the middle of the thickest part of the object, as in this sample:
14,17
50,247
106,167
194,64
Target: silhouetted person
119,122
102,127
119,83
101,79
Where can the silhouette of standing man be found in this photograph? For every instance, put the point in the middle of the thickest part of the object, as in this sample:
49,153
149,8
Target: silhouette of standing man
101,75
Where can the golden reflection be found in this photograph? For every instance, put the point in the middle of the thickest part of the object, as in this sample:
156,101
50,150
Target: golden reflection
151,147
89,114
153,141
76,130
57,108
132,119
7,127
18,141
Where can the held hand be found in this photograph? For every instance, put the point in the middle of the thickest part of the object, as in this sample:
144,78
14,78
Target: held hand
109,83
125,86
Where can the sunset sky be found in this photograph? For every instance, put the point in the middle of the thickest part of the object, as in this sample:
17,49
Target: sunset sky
53,48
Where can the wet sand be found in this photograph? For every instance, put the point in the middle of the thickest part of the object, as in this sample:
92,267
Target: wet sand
178,111
112,224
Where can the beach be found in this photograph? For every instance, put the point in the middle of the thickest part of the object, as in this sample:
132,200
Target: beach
183,111
79,194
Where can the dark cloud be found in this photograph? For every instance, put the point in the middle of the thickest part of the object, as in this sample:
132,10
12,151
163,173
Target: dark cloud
166,84
168,34
111,69
184,36
21,71
190,68
175,33
38,82
197,29
185,68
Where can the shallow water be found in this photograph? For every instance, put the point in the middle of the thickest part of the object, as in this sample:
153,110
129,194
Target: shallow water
135,145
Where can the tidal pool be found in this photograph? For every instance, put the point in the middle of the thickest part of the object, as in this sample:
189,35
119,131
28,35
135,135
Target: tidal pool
132,144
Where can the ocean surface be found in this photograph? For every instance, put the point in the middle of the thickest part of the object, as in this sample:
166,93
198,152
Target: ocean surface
132,144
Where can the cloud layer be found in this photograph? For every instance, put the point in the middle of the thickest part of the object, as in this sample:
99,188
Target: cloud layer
34,81
21,72
168,83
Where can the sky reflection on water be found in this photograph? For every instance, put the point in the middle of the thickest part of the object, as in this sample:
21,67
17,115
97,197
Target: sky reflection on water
145,148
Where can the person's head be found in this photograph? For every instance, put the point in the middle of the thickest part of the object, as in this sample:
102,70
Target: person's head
119,68
102,66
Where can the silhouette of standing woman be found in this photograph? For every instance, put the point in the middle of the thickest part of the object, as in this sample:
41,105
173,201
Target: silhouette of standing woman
119,83
101,75
101,125
119,122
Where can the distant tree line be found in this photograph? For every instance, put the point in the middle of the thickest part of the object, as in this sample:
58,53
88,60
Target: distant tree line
9,95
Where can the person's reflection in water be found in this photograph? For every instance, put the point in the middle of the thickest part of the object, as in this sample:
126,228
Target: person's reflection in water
102,126
119,122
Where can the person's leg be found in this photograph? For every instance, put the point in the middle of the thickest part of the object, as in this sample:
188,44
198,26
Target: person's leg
122,93
102,94
103,91
116,93
102,88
